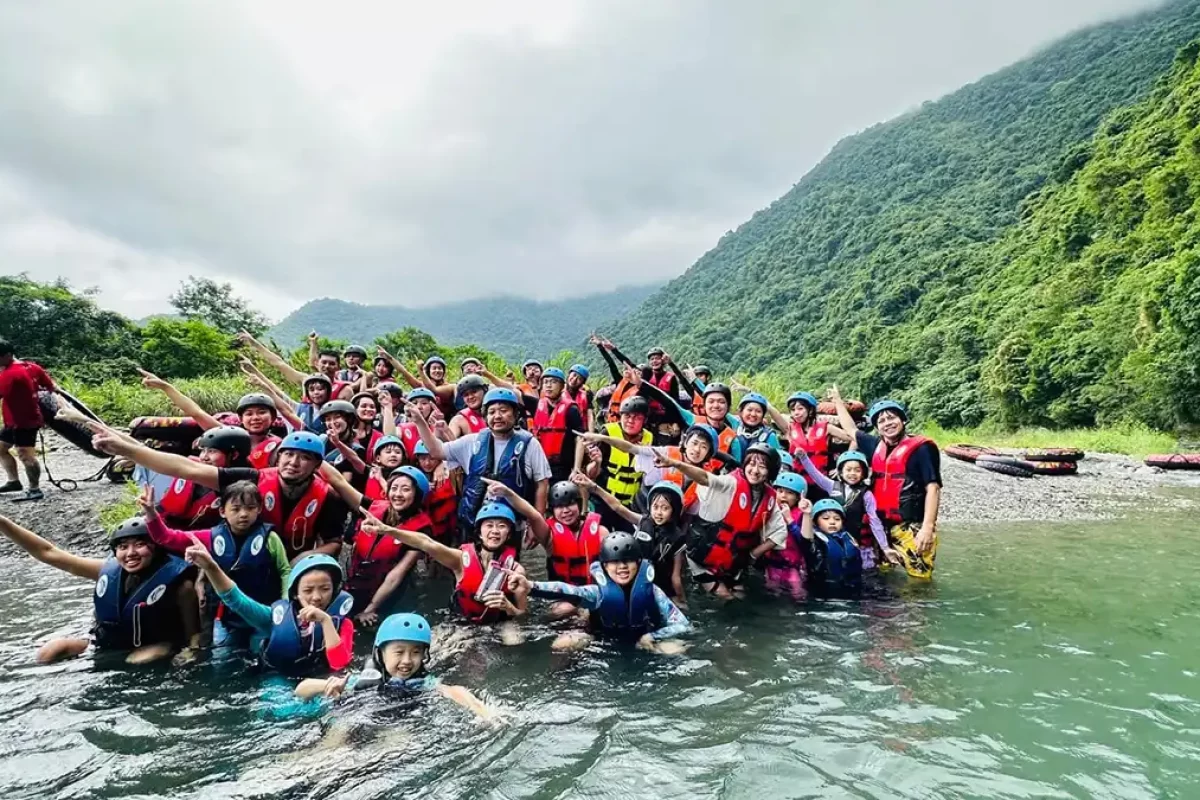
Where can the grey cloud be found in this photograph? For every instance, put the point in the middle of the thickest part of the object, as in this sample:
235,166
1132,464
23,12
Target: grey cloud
618,155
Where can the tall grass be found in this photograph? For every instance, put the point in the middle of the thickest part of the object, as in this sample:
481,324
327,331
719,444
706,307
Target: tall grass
1131,440
118,402
117,511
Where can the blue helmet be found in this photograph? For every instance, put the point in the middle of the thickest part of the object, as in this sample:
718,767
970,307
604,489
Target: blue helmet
808,398
416,476
672,491
495,511
853,455
501,395
305,441
793,482
753,397
384,442
581,371
312,562
704,430
403,628
421,394
786,461
420,449
556,373
821,506
887,405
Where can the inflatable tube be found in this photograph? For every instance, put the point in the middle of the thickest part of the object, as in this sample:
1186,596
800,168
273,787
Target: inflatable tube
967,452
178,430
1173,460
856,408
120,470
1055,467
77,435
1055,454
1005,465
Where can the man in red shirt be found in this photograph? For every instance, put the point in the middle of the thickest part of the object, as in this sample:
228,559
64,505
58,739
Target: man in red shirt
19,385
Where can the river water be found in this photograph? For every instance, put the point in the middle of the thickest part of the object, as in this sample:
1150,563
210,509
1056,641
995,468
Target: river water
1049,660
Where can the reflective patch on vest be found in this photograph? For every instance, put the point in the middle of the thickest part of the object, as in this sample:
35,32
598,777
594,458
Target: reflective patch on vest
179,484
347,604
269,501
215,504
771,504
743,501
466,558
156,594
642,536
277,615
219,545
102,586
600,576
650,572
595,527
520,448
311,508
256,546
270,448
478,444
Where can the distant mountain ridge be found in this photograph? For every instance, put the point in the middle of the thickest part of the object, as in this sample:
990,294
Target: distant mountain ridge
514,327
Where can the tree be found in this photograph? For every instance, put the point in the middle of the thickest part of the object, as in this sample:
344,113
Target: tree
215,304
185,349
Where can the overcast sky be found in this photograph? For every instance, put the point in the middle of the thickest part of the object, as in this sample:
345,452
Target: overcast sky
395,152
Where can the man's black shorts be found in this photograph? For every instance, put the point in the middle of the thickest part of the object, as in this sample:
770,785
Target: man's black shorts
19,437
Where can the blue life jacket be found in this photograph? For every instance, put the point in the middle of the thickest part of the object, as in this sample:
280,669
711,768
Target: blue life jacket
307,413
398,688
634,612
140,619
289,651
249,565
745,438
843,561
511,472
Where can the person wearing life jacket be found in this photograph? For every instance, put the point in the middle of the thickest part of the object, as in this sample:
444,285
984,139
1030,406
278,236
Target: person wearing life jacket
389,454
354,356
831,555
784,567
531,370
502,452
391,402
579,393
442,502
697,447
737,519
852,491
323,360
308,631
396,669
907,482
660,376
806,432
189,505
660,531
692,381
380,564
623,601
318,390
752,427
297,502
481,567
145,598
366,430
247,550
341,450
556,420
433,378
615,468
469,419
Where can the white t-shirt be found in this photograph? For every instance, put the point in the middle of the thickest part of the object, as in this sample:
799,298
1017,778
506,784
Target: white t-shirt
716,498
459,452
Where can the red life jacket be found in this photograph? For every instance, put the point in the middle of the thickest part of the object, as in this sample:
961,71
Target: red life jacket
741,529
190,509
297,532
572,554
472,577
369,444
374,556
409,434
337,388
550,425
624,389
698,404
442,506
789,557
260,456
814,441
376,490
889,469
475,421
580,399
663,382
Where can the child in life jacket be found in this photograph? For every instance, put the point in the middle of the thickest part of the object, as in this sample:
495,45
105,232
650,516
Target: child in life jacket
623,600
660,531
785,572
308,631
830,553
248,550
145,598
442,502
853,493
480,567
397,670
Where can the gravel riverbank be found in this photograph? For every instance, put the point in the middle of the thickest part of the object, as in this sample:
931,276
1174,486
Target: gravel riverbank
1107,486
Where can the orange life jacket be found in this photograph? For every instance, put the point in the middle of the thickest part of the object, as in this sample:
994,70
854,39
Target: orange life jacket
550,426
814,441
472,578
624,389
571,553
297,531
889,470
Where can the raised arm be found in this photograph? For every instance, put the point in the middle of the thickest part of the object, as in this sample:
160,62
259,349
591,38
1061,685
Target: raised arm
448,557
334,478
845,420
613,367
181,401
498,382
537,523
283,404
399,368
663,459
290,373
432,443
48,553
685,383
587,484
162,463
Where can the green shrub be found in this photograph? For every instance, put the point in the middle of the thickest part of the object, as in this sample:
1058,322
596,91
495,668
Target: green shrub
117,402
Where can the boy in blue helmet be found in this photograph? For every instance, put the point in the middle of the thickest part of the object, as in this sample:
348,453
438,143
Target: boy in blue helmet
830,553
852,490
398,668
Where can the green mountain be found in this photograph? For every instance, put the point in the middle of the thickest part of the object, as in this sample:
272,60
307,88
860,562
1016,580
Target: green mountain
919,257
513,327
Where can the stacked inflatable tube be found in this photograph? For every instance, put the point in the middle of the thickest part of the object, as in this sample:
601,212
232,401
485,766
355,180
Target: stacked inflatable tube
1174,460
1023,463
77,435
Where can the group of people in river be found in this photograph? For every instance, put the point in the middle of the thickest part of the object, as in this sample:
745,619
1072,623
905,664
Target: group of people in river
305,521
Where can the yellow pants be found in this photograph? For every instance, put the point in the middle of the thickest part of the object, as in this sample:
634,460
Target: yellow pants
904,539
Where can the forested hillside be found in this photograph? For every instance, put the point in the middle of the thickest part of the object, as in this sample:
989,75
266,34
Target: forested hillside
897,265
514,327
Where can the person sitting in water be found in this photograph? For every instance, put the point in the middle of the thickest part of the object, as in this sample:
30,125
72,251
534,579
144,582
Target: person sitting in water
852,491
397,669
145,598
660,531
306,632
193,506
248,551
831,554
623,600
785,572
